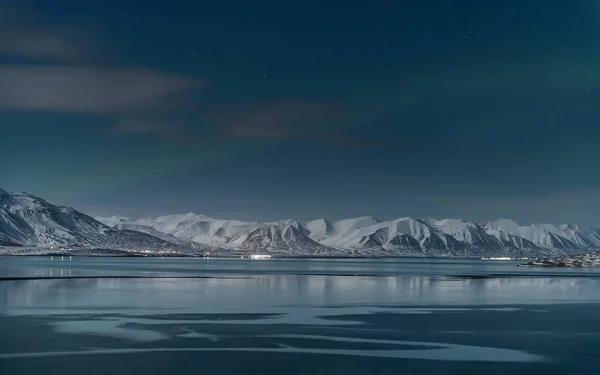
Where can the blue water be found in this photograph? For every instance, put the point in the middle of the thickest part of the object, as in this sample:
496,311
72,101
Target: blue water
295,316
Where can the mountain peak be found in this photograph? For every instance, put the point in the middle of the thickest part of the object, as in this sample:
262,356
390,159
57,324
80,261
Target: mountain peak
20,201
320,221
506,224
28,220
569,227
505,221
453,225
111,221
29,195
287,223
406,218
362,220
319,228
368,218
194,216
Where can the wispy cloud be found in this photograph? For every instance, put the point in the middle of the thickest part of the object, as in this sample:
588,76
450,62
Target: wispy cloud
286,119
47,75
82,90
166,129
53,44
54,68
25,36
281,120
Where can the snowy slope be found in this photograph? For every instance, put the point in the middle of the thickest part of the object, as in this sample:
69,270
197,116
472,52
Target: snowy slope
27,220
323,229
466,232
287,237
578,237
405,236
197,228
186,244
369,236
552,239
492,239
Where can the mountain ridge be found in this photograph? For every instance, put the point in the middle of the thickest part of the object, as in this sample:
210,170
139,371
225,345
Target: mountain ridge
30,221
406,236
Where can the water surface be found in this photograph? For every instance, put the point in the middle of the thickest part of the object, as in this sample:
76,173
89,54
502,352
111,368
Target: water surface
297,316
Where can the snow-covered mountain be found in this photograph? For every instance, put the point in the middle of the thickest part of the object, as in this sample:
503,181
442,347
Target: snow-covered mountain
406,236
181,243
192,227
286,237
466,232
27,220
545,236
282,237
323,229
368,236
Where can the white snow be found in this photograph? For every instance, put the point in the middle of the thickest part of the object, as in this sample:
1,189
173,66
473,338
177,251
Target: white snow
30,221
370,236
197,228
542,235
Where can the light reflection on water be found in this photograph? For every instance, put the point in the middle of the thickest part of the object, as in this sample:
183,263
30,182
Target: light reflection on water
45,267
392,309
260,293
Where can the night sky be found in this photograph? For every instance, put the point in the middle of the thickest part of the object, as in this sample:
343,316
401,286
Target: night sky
268,110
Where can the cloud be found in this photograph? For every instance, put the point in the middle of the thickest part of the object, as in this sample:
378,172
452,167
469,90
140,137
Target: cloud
136,101
68,85
71,89
286,119
168,130
280,120
23,35
41,44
